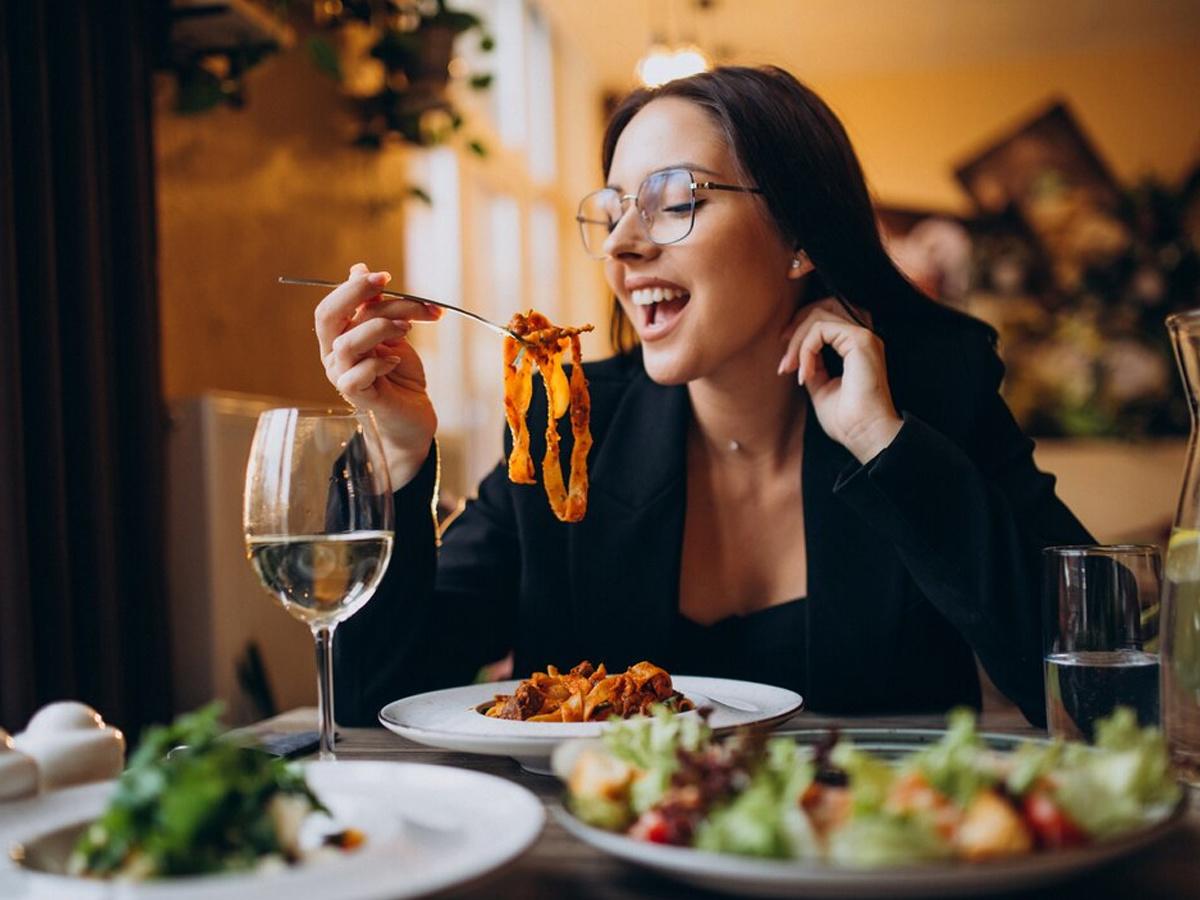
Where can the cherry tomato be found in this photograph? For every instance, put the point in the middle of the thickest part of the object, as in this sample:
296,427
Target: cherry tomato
1050,824
652,827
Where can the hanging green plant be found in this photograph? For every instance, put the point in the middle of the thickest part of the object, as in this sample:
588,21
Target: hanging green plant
395,60
209,48
217,78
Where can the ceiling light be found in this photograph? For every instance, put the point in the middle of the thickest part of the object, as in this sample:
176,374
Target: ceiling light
661,63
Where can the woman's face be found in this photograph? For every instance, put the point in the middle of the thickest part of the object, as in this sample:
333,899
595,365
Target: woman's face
726,290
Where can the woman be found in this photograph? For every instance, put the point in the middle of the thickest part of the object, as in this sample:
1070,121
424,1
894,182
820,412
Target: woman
804,475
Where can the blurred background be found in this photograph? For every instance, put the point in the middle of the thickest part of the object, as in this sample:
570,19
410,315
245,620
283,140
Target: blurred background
1036,164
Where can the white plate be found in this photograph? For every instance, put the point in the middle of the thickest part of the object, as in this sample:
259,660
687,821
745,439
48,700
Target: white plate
428,828
450,719
781,878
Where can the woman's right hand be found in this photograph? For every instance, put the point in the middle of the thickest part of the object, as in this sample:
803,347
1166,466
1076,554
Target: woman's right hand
367,357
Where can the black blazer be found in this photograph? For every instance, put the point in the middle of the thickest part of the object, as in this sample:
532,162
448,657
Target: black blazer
925,554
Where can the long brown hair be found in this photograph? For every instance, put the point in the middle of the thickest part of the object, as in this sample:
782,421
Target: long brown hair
787,141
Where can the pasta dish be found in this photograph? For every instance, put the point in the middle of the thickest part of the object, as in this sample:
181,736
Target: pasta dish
588,694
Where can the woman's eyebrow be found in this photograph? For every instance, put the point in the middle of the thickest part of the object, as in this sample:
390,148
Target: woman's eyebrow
691,167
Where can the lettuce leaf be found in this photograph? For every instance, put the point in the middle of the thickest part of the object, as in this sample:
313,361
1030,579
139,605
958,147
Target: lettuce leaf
953,764
651,743
870,778
874,836
1124,782
881,839
765,819
1030,762
600,812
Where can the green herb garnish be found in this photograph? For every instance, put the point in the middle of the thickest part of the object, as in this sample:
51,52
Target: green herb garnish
193,801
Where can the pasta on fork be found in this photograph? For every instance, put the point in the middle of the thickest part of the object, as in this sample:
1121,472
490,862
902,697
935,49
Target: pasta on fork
545,345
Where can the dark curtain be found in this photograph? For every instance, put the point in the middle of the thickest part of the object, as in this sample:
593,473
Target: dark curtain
82,422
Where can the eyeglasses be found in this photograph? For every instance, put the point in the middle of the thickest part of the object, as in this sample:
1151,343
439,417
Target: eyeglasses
665,203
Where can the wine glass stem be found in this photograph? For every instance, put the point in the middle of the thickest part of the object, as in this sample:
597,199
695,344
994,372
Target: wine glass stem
324,639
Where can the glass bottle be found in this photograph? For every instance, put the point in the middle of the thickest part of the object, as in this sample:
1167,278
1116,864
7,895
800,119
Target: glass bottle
1180,628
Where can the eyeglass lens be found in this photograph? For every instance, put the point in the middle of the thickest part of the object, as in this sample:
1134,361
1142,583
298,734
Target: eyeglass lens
665,206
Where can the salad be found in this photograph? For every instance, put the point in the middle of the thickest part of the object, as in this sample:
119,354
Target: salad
194,801
668,780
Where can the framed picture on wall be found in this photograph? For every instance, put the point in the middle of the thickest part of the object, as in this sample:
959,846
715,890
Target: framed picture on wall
1049,175
1051,144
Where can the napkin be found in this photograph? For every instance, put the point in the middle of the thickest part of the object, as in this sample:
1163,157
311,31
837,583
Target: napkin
71,744
18,772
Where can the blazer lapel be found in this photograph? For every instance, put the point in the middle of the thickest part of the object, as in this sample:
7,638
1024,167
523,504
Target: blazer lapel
624,556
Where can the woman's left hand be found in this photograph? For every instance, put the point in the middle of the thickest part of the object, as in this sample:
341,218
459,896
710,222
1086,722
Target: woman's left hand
856,408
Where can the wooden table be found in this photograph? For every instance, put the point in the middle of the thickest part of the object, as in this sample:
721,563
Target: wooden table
558,867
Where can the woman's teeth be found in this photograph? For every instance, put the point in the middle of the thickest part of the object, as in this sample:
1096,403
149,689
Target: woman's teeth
650,296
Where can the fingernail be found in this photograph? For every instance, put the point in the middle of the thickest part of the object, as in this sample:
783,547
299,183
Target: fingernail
779,371
394,360
379,279
401,324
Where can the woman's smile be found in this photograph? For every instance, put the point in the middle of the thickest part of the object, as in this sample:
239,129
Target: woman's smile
658,305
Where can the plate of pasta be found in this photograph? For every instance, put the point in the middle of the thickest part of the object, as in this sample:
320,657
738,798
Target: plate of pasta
526,719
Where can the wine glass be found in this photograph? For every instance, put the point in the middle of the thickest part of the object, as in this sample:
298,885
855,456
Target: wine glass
317,515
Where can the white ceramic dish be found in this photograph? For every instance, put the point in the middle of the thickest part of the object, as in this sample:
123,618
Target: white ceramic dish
450,719
775,878
781,878
428,828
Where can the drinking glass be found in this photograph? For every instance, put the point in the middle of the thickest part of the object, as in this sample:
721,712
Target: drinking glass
1100,631
317,515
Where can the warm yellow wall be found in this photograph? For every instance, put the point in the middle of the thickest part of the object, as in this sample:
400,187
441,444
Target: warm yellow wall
1139,107
245,196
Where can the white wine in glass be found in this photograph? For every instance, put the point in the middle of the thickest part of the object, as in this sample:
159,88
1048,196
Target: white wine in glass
318,523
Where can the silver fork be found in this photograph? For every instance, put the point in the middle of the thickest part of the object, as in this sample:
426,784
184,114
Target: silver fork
499,329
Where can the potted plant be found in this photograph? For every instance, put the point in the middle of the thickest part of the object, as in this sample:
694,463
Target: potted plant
394,59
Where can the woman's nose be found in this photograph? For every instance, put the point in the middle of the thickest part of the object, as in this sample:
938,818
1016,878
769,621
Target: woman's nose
628,236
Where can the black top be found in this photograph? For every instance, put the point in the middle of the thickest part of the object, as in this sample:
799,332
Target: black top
926,555
767,646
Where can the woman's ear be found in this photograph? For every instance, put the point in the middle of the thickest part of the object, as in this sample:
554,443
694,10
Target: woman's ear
800,265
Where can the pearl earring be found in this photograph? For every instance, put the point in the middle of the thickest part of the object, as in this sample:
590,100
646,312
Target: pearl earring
796,263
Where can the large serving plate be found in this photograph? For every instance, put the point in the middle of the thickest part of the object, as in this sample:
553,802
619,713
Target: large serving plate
428,829
781,878
451,719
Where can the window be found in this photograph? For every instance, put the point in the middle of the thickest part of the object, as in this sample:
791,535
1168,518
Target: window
490,240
